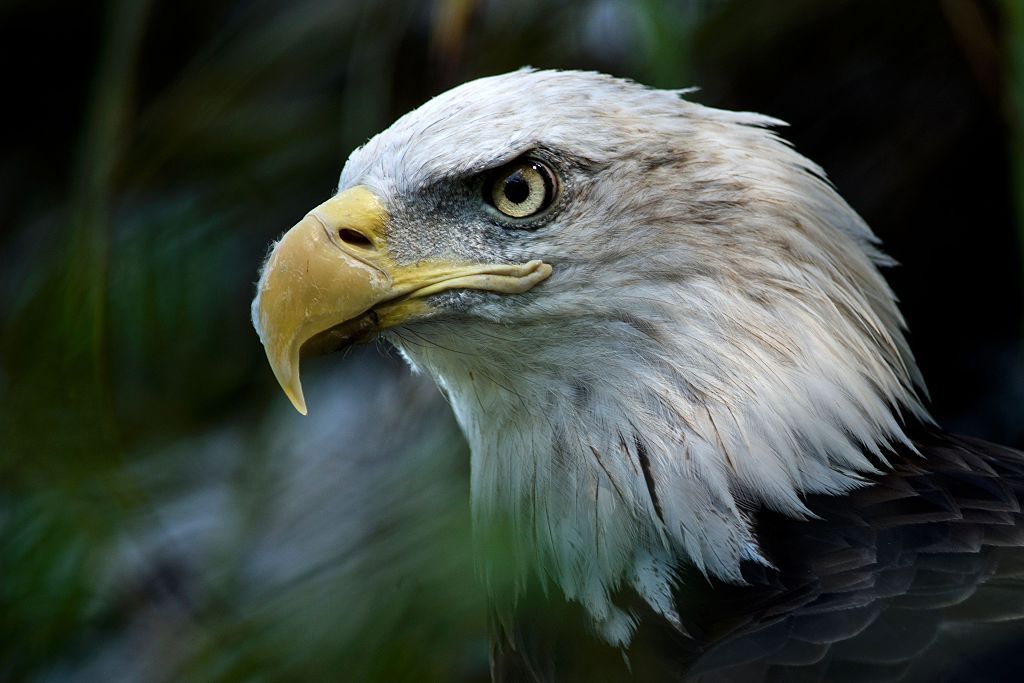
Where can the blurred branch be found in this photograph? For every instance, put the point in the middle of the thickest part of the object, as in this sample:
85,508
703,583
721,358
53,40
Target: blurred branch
105,122
450,23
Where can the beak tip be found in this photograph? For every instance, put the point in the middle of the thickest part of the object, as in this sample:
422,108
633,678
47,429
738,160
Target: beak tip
286,371
298,400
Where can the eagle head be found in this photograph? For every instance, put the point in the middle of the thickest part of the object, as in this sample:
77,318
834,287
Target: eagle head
652,318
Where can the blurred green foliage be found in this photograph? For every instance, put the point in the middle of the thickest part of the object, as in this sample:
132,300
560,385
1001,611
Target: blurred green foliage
163,513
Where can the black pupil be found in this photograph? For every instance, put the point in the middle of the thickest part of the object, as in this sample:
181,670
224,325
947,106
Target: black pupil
516,188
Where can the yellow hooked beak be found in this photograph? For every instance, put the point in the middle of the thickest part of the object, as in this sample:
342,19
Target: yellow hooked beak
330,282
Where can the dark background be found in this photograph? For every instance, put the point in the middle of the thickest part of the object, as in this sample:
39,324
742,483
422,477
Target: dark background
164,514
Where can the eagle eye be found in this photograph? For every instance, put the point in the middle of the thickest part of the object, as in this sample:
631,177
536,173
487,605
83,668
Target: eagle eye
521,189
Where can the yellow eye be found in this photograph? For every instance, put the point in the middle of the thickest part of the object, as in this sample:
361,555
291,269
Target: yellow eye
522,189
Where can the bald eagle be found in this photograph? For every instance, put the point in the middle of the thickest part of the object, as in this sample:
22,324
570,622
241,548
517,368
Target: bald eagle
667,340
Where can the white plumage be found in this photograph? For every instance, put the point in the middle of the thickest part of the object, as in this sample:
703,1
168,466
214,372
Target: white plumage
715,335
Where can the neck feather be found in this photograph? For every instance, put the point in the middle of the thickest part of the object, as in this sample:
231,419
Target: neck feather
615,458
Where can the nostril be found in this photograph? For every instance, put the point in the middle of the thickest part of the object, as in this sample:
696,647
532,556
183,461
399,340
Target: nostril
354,238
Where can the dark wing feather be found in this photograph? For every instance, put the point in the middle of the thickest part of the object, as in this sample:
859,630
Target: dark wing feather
918,577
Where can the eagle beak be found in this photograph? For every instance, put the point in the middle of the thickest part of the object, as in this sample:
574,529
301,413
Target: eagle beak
330,282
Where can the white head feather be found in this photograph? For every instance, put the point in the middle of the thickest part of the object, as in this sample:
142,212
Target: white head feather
715,337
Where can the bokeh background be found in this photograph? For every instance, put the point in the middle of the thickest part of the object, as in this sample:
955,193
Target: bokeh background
165,515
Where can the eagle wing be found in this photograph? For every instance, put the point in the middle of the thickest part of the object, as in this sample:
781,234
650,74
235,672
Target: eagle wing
920,573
